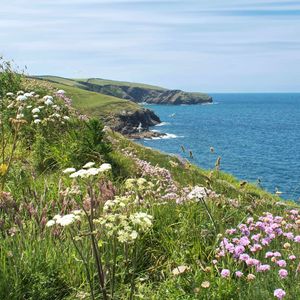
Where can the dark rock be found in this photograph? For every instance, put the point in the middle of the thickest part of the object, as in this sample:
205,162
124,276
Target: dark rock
129,122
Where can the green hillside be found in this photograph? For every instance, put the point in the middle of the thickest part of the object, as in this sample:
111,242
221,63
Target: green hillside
87,214
98,81
94,103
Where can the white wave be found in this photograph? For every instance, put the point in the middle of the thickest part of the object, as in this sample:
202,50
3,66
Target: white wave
153,130
171,136
166,136
162,124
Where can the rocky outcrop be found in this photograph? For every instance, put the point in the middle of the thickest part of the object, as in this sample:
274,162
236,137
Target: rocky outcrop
129,122
148,95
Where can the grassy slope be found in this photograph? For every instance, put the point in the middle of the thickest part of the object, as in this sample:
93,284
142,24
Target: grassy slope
182,234
90,102
98,81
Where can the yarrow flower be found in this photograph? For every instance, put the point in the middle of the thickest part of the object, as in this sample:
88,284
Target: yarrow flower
69,170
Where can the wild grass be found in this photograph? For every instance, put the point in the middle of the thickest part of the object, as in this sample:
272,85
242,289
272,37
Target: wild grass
152,227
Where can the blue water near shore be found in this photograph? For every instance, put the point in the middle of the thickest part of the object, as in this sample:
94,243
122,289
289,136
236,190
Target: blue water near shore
257,136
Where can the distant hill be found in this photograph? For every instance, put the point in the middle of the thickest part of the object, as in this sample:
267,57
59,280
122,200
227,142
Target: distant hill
135,92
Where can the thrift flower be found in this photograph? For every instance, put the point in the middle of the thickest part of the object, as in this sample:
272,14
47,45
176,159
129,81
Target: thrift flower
225,273
239,274
279,293
283,273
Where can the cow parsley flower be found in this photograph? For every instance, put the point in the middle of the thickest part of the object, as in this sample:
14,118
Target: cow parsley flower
35,110
21,98
88,165
69,170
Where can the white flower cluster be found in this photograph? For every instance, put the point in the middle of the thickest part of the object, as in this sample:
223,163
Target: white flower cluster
200,192
139,184
117,221
66,219
36,110
87,170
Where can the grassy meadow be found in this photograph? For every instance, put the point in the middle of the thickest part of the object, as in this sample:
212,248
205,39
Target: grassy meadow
87,214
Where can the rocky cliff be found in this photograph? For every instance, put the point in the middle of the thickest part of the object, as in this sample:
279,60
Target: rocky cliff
129,122
147,95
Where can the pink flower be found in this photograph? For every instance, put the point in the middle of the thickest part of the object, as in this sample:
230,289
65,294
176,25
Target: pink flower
292,257
244,257
252,262
279,293
244,241
289,235
239,274
239,250
263,268
230,231
281,263
255,248
277,254
269,254
225,273
256,237
297,239
283,273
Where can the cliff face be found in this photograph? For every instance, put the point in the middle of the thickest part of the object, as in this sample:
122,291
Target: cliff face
154,96
128,122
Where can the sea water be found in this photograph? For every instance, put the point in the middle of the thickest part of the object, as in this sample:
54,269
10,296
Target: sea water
257,137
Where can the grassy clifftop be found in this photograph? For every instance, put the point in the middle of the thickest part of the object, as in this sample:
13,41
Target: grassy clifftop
87,214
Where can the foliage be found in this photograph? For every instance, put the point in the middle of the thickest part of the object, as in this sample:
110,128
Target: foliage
88,214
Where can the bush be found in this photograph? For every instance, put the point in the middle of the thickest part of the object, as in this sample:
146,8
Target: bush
10,80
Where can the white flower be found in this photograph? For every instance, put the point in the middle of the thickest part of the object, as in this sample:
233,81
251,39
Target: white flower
198,192
67,219
41,107
35,110
56,217
29,106
61,92
28,95
92,172
9,94
105,167
20,93
69,170
88,165
50,223
142,220
37,121
66,118
80,173
78,212
179,270
48,100
20,116
134,235
47,97
21,98
35,116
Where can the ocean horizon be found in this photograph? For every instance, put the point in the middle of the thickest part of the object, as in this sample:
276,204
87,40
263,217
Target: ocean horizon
257,136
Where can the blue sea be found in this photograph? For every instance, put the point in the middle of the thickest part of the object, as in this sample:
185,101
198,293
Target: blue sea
256,135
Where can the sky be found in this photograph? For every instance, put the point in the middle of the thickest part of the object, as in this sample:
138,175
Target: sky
194,45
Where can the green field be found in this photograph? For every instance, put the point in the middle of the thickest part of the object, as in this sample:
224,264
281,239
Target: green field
92,103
